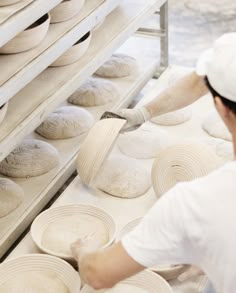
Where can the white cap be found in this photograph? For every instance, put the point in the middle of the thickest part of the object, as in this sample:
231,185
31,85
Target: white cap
219,65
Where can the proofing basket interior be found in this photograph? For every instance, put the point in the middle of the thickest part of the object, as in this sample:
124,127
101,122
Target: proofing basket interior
29,38
148,281
96,148
168,273
66,10
42,221
41,263
75,52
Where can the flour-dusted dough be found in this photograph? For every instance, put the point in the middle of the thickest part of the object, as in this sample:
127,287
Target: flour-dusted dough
60,234
119,65
66,122
11,196
215,127
173,118
34,282
31,158
182,162
143,143
95,92
222,148
123,177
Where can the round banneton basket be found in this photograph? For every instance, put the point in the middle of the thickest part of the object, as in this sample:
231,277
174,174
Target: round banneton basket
97,26
3,112
167,272
49,216
145,281
29,38
66,10
97,147
40,263
182,162
8,2
75,52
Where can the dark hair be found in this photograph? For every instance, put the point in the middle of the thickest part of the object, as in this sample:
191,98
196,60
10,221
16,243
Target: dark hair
229,104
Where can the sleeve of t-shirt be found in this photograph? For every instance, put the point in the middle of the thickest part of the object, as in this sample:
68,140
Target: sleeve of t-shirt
161,238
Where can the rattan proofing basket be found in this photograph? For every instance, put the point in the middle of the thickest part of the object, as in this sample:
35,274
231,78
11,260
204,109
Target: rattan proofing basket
168,273
75,52
29,38
42,221
182,162
148,281
3,112
96,147
8,2
66,10
39,263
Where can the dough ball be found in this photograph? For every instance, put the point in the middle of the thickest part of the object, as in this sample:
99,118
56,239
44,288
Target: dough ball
95,92
215,127
119,65
173,118
34,282
11,196
60,234
222,148
123,177
31,158
182,162
143,143
66,122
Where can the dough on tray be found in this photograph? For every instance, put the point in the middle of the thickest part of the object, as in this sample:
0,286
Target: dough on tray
144,143
182,162
123,177
66,122
60,234
119,65
222,148
11,196
173,118
215,127
31,158
95,92
35,282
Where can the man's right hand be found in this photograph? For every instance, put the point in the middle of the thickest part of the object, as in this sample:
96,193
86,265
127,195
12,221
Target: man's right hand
134,117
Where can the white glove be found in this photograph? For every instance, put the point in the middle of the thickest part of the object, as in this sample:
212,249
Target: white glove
134,117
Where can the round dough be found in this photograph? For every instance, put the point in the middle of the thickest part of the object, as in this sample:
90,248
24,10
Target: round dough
123,177
143,143
182,162
31,158
119,65
215,127
95,92
60,234
34,282
11,196
66,122
173,118
222,148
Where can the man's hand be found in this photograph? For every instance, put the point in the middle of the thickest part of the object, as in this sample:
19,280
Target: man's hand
134,117
83,246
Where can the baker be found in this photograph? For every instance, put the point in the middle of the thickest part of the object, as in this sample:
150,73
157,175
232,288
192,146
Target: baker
194,222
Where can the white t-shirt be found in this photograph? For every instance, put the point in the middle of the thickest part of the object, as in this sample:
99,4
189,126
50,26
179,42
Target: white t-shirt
193,223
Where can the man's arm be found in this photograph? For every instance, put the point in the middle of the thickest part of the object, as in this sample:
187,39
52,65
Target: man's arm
183,93
106,267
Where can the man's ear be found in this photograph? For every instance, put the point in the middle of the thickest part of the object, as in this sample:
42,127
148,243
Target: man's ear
221,108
